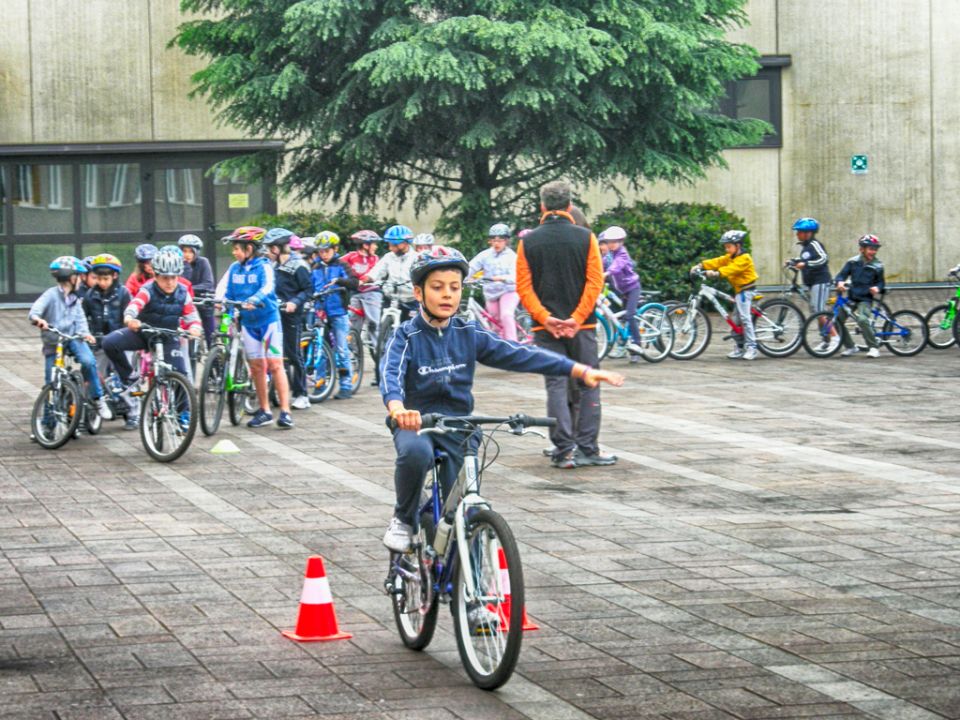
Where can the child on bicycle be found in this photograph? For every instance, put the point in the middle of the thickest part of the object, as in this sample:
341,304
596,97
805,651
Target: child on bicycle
294,288
331,275
143,254
250,280
863,276
394,267
61,307
736,266
104,305
164,302
620,273
812,263
428,366
197,271
498,266
367,299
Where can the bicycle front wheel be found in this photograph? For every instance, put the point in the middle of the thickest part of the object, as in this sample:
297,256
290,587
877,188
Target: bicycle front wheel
656,332
237,399
356,351
905,333
384,335
212,393
321,372
168,420
56,414
939,327
604,337
691,332
489,624
779,328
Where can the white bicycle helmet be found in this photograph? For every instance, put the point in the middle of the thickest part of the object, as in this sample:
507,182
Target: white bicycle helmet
168,261
424,239
614,232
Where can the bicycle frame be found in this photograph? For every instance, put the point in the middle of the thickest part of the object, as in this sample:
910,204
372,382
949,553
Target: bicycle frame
715,297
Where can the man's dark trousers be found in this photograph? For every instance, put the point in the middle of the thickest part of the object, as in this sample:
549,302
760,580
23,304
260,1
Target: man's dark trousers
578,426
291,323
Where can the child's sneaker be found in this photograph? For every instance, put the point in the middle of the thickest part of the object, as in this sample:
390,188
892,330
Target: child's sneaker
103,408
285,422
850,351
750,354
132,423
399,536
259,419
873,353
300,403
736,353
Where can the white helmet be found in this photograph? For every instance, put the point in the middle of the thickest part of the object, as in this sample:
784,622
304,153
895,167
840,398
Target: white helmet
614,232
424,239
190,241
168,261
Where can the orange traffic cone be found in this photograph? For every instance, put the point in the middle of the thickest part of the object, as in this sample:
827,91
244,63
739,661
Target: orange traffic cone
317,619
504,610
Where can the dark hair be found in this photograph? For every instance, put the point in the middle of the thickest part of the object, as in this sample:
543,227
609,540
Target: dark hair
556,195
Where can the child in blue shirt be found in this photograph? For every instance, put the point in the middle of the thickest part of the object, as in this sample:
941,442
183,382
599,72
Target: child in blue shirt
331,274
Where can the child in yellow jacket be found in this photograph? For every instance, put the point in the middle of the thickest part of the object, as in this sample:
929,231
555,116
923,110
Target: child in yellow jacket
736,266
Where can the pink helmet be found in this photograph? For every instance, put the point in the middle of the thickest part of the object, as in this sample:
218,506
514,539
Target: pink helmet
296,243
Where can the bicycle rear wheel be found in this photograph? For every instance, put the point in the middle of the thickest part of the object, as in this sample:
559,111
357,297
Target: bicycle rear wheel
237,399
691,332
779,328
939,327
92,422
656,332
489,625
168,420
384,335
322,370
905,333
56,414
822,335
605,339
212,394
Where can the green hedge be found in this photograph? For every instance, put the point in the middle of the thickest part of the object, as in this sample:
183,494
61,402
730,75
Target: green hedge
665,239
309,223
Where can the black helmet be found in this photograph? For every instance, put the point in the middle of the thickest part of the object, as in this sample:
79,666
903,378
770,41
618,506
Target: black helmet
869,241
733,236
426,263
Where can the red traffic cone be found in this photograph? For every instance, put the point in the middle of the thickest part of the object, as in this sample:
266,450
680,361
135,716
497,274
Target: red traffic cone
317,619
504,610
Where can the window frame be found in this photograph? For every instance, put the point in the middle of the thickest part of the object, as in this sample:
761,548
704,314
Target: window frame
770,69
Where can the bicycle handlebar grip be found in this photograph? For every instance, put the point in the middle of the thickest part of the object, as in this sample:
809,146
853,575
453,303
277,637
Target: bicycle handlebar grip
527,421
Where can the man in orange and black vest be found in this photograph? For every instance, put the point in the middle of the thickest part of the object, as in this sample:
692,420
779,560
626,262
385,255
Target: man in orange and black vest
559,277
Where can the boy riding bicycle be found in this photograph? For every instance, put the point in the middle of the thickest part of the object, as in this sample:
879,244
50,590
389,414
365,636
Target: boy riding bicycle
864,277
736,266
428,366
61,307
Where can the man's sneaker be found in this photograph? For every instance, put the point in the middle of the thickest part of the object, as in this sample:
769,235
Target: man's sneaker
103,408
343,394
750,354
481,620
736,353
132,423
284,421
300,403
850,351
582,459
259,419
564,462
873,352
398,537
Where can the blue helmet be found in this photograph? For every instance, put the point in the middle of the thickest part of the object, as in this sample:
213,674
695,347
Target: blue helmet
278,236
65,266
397,234
806,224
145,252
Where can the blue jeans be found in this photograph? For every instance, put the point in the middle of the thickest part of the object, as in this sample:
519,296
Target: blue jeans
88,366
340,326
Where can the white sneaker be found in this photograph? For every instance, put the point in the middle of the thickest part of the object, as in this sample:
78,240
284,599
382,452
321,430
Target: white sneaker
103,408
481,620
398,537
873,352
300,403
634,348
850,351
736,353
750,354
823,346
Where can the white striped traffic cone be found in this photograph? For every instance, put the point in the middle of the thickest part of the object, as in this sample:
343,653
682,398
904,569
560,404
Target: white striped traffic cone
317,620
504,610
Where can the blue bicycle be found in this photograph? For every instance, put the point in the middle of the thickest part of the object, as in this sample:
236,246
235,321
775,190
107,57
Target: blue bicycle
323,366
903,332
613,330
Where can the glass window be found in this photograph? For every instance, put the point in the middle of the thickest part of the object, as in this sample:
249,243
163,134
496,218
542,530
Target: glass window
178,198
111,198
42,197
3,209
235,201
32,265
756,97
122,249
3,270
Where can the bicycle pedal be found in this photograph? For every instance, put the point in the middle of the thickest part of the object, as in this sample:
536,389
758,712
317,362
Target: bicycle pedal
137,393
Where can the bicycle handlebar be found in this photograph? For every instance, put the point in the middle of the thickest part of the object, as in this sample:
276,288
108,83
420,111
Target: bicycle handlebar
164,331
60,333
516,422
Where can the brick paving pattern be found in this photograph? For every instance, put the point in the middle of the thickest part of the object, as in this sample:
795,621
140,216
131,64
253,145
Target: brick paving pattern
778,540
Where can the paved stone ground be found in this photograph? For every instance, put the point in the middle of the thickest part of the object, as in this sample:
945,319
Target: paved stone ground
778,540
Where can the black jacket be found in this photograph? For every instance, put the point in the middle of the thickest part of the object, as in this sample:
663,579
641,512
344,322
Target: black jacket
104,310
863,276
293,281
815,270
